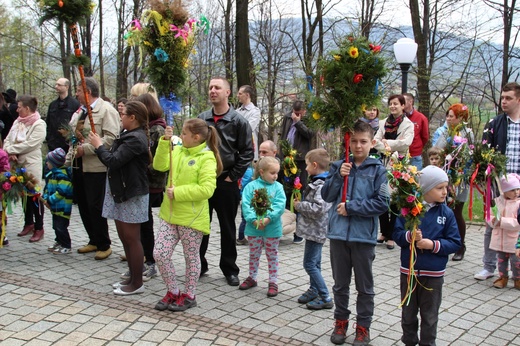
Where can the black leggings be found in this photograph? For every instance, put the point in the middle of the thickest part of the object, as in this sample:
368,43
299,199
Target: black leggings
387,222
461,223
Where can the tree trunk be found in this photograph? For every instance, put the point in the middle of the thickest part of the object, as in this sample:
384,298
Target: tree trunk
243,57
421,31
227,40
100,50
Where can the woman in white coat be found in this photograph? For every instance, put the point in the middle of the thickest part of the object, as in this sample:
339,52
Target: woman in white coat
395,133
24,146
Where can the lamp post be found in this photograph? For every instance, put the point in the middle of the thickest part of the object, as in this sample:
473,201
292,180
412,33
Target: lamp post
404,51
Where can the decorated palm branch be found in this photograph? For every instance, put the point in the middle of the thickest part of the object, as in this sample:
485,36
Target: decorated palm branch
348,80
71,12
407,196
261,203
165,36
15,184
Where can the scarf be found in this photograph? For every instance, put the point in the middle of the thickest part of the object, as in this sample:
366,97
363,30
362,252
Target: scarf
21,126
374,122
392,125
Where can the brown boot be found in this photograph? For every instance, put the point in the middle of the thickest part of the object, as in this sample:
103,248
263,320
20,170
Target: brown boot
501,282
37,236
26,230
517,284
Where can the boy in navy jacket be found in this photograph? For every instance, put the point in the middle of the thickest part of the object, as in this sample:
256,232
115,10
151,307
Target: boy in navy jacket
352,230
437,237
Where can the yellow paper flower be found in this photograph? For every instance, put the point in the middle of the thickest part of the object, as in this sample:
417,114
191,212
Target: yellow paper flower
316,115
337,57
20,179
353,52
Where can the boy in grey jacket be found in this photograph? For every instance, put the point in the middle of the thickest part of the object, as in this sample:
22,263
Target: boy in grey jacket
353,230
312,226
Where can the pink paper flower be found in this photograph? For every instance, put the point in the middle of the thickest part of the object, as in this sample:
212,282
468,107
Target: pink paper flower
405,211
410,199
6,186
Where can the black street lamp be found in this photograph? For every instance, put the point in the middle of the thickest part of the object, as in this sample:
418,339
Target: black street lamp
405,50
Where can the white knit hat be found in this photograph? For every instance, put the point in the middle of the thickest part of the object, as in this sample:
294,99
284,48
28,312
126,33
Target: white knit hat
430,177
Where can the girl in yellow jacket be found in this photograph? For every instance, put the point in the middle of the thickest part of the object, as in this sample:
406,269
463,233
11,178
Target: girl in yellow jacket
193,170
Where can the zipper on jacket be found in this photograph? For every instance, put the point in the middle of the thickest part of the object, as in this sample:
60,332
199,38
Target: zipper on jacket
196,216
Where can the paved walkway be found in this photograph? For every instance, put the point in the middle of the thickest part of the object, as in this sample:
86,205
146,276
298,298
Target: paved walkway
48,299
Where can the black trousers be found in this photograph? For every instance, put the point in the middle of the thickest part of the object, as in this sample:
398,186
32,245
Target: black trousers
225,202
34,213
425,301
89,193
387,222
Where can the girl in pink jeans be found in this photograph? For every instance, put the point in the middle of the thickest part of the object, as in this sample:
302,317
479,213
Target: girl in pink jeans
193,171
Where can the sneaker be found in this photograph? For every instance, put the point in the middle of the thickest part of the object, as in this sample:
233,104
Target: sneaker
362,336
242,241
339,335
483,275
297,240
5,242
60,250
183,303
168,299
149,272
53,247
273,290
308,296
501,282
247,284
126,275
320,303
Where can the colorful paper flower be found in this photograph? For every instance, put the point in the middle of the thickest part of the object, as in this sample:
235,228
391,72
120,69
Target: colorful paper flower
357,78
353,52
6,186
161,55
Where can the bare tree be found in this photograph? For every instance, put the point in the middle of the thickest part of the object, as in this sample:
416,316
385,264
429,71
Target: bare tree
507,10
274,54
243,58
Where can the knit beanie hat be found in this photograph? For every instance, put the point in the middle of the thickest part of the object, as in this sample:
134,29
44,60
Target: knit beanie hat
510,182
430,177
57,157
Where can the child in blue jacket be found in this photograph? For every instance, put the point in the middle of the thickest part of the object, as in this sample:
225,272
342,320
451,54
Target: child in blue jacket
437,237
57,195
352,230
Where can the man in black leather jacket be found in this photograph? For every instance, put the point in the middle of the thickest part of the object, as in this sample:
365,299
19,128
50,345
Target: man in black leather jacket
236,152
59,114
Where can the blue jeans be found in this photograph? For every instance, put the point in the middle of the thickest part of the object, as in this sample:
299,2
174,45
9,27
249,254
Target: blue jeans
61,229
312,265
242,227
417,162
490,256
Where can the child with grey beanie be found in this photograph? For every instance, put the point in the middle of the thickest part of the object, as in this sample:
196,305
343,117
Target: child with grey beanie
436,238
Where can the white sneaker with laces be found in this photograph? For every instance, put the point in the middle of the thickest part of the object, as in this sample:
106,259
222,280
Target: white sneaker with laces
483,275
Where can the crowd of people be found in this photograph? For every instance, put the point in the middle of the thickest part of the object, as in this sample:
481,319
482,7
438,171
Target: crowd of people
120,162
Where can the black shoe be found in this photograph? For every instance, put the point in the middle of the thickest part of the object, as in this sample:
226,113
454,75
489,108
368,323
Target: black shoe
459,255
203,271
232,280
297,240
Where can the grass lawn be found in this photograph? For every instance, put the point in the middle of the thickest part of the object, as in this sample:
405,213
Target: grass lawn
478,208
